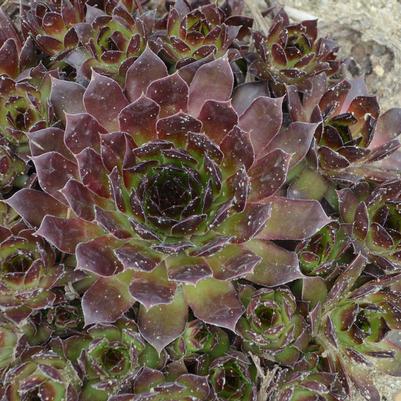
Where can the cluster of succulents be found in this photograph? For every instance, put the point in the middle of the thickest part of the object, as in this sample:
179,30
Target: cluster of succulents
191,208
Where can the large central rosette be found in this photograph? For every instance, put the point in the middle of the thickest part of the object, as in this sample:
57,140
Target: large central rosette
164,193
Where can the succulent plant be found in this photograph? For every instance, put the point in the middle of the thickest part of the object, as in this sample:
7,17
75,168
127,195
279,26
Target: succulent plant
307,386
374,221
323,254
348,118
28,272
110,356
167,207
199,338
232,378
271,325
41,374
292,52
360,326
193,33
191,209
152,385
52,25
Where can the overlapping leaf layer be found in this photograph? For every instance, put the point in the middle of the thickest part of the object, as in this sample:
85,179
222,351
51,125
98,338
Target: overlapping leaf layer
191,208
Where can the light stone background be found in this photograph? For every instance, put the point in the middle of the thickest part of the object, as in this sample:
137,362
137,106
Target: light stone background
370,32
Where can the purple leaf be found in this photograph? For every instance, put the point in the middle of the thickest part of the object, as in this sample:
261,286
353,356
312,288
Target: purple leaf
66,97
347,279
247,224
214,302
187,269
262,120
66,234
162,324
237,148
107,299
92,172
212,81
278,266
47,140
82,131
145,69
97,256
152,288
293,219
104,99
218,119
268,174
7,30
296,140
9,58
246,93
170,93
139,119
23,200
54,170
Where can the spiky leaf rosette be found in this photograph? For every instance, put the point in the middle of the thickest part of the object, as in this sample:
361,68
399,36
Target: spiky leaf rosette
324,253
199,338
271,326
167,195
373,216
109,43
292,52
10,341
11,167
152,385
360,326
41,374
348,118
194,33
28,272
52,23
110,357
307,386
24,107
232,378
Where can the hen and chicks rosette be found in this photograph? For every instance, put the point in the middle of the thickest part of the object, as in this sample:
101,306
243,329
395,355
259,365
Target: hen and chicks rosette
192,209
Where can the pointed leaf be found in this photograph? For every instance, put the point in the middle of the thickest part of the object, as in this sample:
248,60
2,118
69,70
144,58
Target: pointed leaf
82,131
212,81
9,58
162,324
268,174
218,119
54,170
107,299
97,256
170,93
214,302
237,148
139,119
66,234
23,200
262,120
247,224
104,99
278,266
148,67
47,140
293,219
295,139
66,97
152,288
92,172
